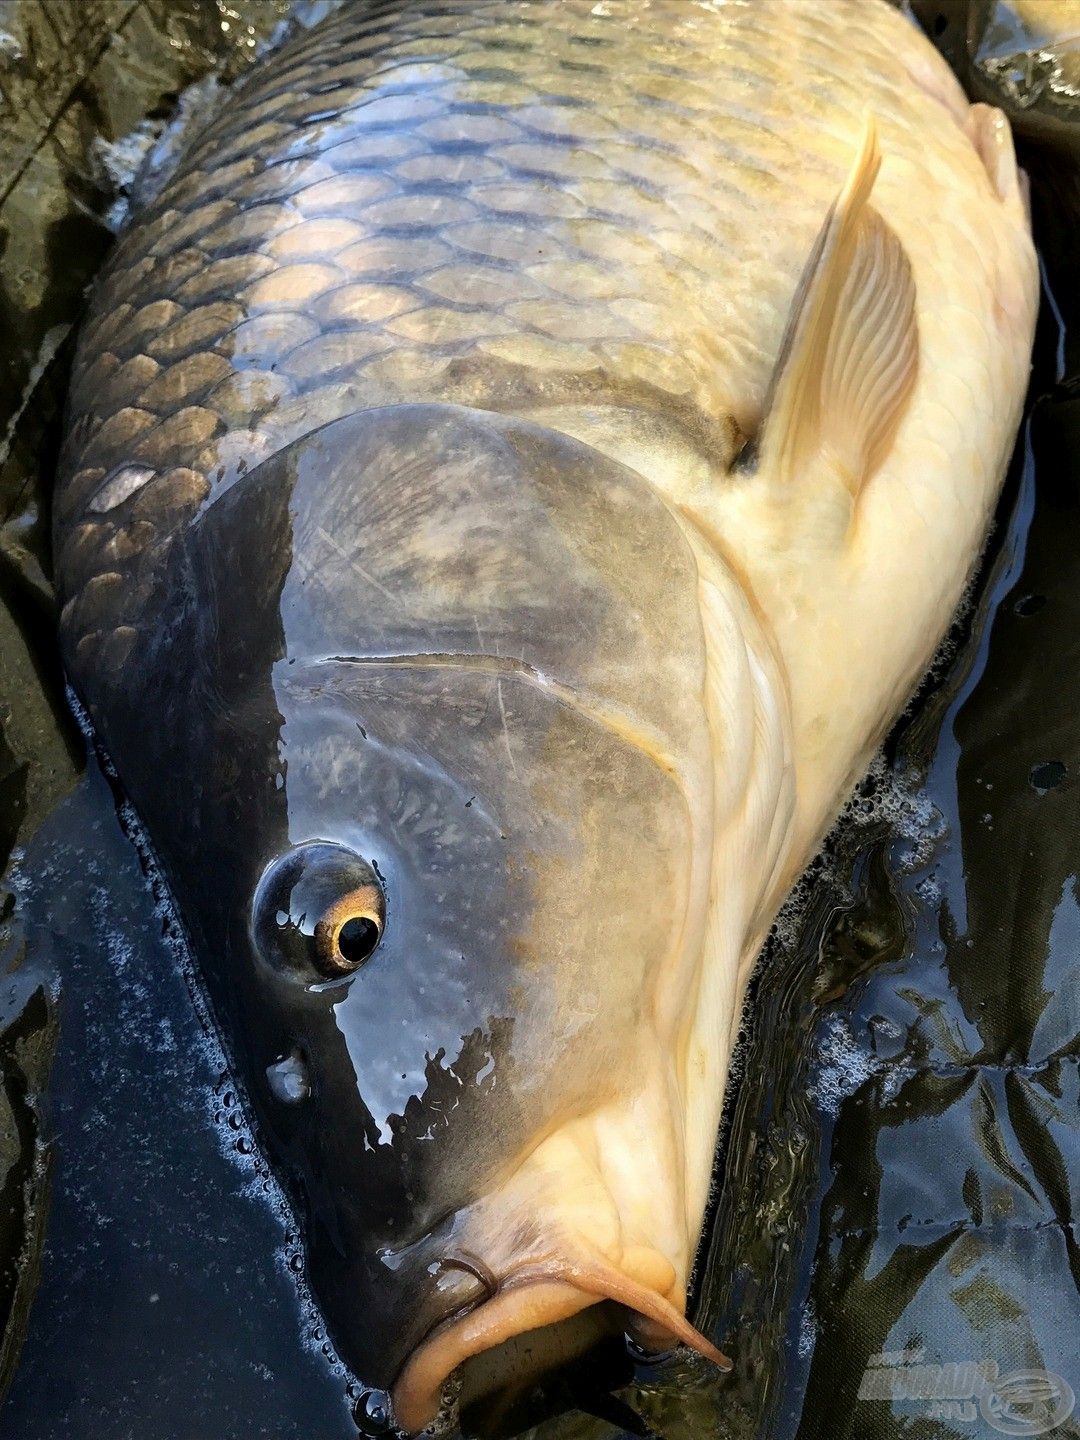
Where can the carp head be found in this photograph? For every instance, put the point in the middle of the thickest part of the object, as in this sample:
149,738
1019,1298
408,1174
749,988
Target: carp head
434,682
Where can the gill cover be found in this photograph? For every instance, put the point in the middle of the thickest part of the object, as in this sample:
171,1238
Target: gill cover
452,664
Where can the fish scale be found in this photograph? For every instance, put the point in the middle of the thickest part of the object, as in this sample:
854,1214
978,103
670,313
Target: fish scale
507,206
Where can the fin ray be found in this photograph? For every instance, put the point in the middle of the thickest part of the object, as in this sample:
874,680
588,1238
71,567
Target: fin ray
849,356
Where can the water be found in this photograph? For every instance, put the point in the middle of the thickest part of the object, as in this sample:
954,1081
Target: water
901,1157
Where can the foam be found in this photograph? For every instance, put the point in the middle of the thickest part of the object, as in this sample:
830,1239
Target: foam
843,1067
116,163
808,1330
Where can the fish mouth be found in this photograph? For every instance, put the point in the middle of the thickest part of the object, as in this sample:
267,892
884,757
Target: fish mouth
535,1296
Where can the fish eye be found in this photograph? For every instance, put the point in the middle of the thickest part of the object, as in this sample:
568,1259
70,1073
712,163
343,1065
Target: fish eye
347,934
357,938
319,912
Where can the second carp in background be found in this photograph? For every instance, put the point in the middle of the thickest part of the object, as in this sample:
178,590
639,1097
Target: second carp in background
517,469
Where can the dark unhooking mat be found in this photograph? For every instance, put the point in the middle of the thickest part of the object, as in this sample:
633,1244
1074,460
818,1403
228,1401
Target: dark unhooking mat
894,1253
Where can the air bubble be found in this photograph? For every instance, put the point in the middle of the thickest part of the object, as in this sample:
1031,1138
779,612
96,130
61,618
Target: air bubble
888,798
844,1067
371,1413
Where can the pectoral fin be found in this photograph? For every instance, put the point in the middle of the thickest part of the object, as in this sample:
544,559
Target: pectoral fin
849,356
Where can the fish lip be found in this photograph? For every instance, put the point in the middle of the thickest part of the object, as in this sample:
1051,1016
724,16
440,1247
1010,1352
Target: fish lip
417,1393
540,1293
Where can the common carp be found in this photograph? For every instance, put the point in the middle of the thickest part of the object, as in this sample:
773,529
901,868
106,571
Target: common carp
517,469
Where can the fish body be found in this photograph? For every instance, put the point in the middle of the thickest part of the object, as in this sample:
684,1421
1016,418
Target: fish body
517,468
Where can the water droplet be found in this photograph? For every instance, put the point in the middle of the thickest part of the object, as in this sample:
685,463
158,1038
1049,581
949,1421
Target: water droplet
1047,776
1028,604
288,1079
371,1413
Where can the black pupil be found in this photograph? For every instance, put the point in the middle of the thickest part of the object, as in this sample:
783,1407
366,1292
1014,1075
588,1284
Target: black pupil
357,938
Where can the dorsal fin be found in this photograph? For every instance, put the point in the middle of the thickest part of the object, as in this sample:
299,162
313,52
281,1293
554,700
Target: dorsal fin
849,356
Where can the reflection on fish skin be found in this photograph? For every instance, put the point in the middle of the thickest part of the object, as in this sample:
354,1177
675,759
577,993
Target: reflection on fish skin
492,416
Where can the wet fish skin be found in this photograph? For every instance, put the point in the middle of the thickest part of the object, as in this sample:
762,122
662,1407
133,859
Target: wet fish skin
421,234
597,220
486,799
